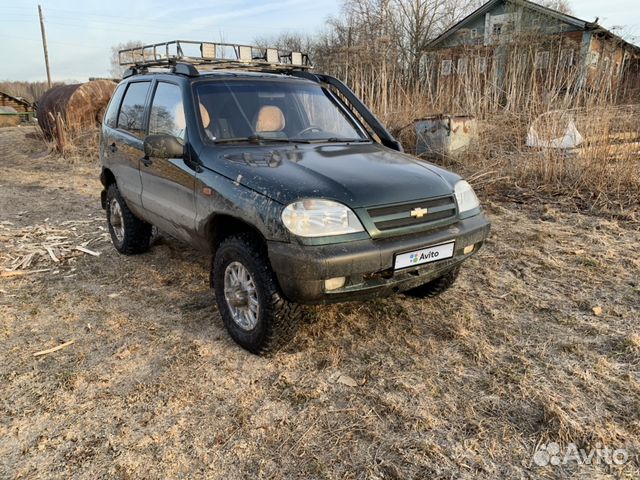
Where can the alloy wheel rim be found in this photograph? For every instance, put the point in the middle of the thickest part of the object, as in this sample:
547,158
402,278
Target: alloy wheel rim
116,220
241,296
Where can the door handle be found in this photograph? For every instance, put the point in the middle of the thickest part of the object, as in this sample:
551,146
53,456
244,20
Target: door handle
113,147
147,161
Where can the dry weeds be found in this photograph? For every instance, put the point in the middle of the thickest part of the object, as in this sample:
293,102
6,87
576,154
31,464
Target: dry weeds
601,176
464,386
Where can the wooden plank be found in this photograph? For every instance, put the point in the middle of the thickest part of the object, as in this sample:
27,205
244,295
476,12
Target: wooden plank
87,251
51,254
19,273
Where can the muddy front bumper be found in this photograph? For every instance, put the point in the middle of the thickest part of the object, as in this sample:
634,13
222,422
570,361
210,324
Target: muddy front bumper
368,265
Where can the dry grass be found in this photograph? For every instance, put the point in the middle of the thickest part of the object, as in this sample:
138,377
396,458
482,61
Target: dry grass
463,386
602,175
81,143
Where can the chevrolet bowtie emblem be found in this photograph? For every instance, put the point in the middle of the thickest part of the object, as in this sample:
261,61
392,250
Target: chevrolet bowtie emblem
419,212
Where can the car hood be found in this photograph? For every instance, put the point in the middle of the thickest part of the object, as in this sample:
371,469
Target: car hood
357,175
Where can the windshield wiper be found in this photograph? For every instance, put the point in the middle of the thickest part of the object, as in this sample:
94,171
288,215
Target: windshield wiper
259,139
256,138
337,140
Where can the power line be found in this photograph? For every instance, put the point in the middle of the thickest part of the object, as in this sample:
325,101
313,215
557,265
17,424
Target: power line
52,42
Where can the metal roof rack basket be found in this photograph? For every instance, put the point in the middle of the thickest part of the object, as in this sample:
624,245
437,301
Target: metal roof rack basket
213,56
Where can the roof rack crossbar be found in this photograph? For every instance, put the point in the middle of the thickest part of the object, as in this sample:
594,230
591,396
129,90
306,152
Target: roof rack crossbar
211,55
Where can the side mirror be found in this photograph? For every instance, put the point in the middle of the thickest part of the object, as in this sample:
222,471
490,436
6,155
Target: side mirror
163,146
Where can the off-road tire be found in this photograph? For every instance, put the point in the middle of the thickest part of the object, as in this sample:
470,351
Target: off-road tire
137,233
278,318
435,287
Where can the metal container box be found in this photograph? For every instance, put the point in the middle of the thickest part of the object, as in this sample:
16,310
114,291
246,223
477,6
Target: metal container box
445,135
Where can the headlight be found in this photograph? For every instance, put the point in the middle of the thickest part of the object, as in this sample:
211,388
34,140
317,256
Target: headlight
466,197
320,218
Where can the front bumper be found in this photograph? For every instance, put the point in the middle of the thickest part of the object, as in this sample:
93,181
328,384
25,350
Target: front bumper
368,264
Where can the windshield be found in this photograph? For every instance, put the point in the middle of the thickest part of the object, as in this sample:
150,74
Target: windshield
262,110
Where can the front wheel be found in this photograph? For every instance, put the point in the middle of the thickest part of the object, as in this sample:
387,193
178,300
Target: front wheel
252,307
435,287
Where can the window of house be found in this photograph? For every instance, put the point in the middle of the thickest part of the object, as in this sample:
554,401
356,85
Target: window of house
593,59
566,58
481,64
445,67
462,65
606,64
167,111
498,26
474,33
542,60
131,117
616,71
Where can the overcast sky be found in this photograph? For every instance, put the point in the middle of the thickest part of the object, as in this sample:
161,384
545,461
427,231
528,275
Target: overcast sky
80,34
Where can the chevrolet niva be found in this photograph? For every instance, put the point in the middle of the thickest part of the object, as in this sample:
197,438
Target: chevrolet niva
290,182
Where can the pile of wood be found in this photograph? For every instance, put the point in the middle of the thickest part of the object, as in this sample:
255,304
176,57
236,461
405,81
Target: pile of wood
71,109
44,248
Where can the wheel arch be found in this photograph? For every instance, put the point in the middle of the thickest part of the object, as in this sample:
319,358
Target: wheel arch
222,226
106,178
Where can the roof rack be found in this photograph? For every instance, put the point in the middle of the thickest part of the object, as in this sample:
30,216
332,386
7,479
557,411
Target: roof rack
212,56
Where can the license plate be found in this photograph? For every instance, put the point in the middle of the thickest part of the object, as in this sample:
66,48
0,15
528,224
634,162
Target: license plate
425,255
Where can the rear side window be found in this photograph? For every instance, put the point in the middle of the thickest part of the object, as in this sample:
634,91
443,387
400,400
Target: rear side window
131,116
111,117
167,111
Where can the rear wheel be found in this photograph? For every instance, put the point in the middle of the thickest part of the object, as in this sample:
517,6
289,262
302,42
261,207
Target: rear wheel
129,234
252,307
435,287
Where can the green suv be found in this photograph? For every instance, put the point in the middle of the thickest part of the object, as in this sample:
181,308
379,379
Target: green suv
289,181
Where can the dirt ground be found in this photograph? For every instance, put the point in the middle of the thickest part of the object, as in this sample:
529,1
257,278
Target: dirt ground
538,342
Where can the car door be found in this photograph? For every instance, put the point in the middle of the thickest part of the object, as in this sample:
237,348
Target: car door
124,145
168,184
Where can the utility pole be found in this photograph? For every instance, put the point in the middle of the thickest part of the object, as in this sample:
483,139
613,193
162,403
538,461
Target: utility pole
44,46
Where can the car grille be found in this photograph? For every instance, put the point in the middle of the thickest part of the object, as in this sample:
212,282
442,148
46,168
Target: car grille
389,217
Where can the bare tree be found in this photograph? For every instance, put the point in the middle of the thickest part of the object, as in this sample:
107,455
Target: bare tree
562,6
116,70
377,46
419,20
294,41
